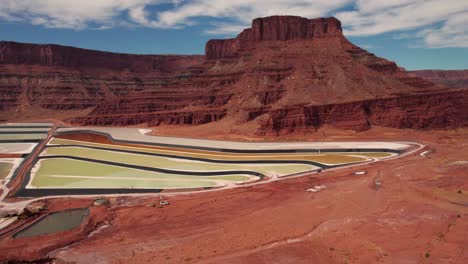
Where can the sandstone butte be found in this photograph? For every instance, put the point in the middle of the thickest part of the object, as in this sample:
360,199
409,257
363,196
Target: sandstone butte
284,74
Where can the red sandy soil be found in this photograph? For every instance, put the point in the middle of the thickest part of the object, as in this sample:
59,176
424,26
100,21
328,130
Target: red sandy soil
418,215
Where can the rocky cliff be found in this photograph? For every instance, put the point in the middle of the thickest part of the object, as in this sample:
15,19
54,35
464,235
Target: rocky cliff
283,74
275,28
418,111
67,78
76,58
449,78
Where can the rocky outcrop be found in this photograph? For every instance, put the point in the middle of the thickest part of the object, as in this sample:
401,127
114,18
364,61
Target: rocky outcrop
418,111
449,78
151,119
283,74
275,28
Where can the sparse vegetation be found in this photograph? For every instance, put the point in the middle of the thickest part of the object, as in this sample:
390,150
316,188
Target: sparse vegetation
427,255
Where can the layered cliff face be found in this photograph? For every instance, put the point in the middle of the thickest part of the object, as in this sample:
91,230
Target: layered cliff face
418,111
65,78
83,59
449,78
283,74
276,28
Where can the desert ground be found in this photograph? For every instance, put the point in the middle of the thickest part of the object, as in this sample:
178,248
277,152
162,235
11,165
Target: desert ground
417,213
288,92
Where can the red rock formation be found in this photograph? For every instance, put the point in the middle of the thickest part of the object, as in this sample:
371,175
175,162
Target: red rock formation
284,74
275,28
67,78
449,78
70,57
417,111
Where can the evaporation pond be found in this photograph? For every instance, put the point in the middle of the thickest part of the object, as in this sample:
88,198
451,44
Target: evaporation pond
55,222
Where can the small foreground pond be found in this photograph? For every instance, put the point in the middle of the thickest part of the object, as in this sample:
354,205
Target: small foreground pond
5,168
55,222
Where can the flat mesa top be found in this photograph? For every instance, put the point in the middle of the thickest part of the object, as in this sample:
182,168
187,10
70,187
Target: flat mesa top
134,134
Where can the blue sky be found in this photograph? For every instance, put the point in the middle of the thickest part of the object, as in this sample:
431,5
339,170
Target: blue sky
417,34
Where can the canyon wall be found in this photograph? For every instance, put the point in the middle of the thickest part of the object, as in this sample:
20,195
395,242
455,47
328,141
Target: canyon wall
419,111
76,58
56,77
283,74
449,78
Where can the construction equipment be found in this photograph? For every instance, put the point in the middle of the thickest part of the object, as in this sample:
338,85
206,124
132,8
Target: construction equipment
317,188
164,202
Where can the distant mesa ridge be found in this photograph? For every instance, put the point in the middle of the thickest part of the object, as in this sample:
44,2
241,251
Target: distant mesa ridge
274,28
285,74
64,56
448,78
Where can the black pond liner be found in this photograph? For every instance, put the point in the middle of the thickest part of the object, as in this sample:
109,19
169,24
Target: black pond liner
272,151
318,164
55,225
24,192
21,140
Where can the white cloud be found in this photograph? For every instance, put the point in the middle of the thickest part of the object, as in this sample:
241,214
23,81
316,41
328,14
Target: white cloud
403,16
69,14
243,11
81,14
372,17
454,33
226,29
437,23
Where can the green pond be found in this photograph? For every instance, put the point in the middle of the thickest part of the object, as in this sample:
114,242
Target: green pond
5,168
54,222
